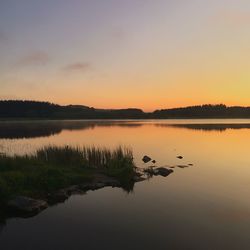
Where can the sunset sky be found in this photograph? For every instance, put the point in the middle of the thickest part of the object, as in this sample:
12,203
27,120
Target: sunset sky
148,54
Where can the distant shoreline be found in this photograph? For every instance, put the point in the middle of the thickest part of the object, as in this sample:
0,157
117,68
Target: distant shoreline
32,110
12,119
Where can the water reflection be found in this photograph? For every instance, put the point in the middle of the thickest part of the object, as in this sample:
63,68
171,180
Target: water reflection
35,129
208,127
206,199
20,130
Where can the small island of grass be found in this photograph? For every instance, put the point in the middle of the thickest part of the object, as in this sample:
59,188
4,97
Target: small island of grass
44,174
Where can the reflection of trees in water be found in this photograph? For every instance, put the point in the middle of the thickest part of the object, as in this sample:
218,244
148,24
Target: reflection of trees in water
207,127
26,130
18,130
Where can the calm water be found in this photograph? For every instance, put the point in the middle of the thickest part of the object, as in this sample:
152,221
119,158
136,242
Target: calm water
204,206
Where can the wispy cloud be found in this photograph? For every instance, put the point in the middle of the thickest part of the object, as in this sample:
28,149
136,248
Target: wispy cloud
36,58
78,66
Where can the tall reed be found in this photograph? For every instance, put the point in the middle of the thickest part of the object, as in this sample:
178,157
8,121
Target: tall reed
92,157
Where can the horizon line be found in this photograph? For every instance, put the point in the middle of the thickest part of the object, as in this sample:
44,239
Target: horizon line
166,108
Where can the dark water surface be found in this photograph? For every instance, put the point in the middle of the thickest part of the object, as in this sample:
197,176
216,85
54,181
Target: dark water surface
204,206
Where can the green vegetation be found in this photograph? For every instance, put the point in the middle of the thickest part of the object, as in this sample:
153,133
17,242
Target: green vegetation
52,168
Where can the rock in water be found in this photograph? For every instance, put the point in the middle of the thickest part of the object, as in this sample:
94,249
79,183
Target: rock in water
26,205
146,159
182,166
158,171
163,171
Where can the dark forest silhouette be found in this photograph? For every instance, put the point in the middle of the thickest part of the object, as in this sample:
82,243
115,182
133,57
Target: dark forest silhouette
46,110
204,111
33,109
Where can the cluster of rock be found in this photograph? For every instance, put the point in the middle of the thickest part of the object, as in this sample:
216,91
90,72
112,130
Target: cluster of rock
179,157
24,206
163,171
147,159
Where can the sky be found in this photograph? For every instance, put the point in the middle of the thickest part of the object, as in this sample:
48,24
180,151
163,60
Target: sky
149,54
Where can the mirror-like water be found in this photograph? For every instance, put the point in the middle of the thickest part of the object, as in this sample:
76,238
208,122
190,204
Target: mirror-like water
204,206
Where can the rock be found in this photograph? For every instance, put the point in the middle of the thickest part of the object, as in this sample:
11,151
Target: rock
100,182
111,182
163,171
190,164
146,159
25,205
179,157
98,185
106,180
71,189
74,190
154,161
86,186
58,196
182,166
158,171
92,186
63,194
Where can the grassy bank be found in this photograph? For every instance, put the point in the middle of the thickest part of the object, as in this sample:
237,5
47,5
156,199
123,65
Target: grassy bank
52,168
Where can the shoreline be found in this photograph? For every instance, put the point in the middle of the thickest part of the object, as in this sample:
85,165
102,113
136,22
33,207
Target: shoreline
28,206
49,169
13,119
24,206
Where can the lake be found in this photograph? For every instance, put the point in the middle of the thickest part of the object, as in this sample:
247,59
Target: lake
203,204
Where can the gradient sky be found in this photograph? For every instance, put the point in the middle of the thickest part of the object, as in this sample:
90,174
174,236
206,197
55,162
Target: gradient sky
126,53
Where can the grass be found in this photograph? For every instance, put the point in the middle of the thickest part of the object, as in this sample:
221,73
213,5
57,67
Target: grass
52,168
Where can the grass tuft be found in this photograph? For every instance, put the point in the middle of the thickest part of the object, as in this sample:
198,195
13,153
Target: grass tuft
52,168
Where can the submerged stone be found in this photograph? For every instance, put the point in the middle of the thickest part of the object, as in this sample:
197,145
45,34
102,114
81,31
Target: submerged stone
182,166
146,159
163,171
159,171
179,157
26,205
58,196
100,181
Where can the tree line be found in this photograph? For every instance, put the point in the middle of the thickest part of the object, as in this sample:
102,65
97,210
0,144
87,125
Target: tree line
46,110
